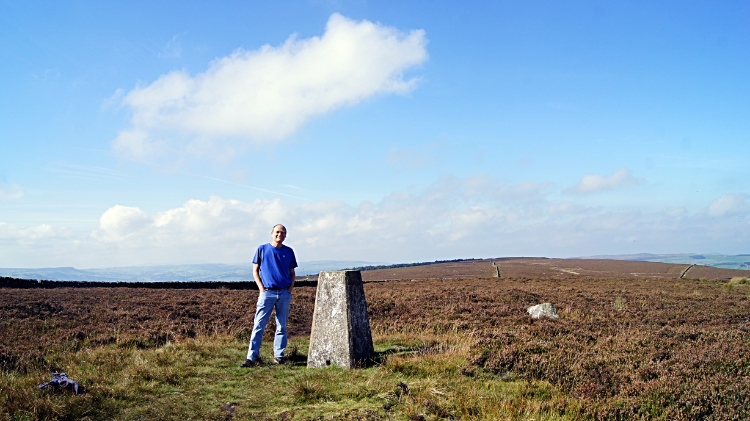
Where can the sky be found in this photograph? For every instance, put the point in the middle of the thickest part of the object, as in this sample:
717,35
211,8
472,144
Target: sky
166,132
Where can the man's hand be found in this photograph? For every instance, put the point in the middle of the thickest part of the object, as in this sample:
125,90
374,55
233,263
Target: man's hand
293,277
256,276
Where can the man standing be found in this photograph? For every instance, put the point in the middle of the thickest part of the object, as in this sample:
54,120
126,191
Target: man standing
273,270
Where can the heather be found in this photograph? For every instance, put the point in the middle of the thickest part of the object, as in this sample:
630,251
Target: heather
458,348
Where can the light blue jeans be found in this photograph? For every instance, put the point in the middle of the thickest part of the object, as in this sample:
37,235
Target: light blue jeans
267,301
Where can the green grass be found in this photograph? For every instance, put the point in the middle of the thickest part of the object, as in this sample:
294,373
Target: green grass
415,376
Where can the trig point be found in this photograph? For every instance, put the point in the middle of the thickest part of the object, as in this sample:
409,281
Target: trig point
341,328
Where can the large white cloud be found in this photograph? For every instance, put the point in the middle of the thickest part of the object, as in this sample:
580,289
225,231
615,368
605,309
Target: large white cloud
266,95
591,183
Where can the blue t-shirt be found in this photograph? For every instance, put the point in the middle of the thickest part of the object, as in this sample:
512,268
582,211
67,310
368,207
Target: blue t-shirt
275,264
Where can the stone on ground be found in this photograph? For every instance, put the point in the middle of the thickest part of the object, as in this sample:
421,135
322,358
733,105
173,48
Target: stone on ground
543,310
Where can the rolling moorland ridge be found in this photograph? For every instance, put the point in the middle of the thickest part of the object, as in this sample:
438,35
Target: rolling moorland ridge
634,340
240,272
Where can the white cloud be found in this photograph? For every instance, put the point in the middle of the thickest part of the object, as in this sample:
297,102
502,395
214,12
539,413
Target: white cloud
224,230
729,205
14,234
10,191
455,217
261,96
591,183
41,245
217,230
477,216
120,222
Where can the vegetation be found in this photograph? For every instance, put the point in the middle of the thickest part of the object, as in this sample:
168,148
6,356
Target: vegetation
458,349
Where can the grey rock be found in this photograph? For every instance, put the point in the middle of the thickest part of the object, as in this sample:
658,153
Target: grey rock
340,333
543,310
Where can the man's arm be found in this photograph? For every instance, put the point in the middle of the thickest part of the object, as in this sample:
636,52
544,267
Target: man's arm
256,275
293,277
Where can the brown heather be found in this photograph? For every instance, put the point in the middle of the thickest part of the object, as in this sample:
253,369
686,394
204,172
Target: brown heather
623,348
38,323
456,348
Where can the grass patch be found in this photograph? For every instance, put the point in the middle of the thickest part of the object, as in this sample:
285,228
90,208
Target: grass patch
419,377
736,281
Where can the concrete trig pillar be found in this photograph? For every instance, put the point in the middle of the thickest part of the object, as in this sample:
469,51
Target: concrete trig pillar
340,333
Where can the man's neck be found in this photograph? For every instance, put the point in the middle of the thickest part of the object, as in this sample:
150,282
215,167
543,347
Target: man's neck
275,244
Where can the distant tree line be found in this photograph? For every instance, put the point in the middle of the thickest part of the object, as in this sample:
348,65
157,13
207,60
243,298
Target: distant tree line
406,265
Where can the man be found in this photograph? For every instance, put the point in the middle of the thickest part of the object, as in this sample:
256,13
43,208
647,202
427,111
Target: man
273,270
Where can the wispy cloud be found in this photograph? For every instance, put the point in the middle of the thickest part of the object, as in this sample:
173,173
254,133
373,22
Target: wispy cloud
254,188
413,158
263,96
113,101
592,183
86,172
173,48
30,234
729,205
10,191
524,161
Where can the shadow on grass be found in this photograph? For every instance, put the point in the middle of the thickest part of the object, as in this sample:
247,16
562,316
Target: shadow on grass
295,358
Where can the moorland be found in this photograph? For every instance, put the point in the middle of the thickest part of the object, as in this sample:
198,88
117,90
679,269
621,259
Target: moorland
634,340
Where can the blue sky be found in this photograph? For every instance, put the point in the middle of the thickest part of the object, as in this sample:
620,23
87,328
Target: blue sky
179,132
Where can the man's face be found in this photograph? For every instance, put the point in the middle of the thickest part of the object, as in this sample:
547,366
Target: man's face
278,234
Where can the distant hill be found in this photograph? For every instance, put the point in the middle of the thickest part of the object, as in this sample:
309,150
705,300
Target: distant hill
243,272
197,272
546,268
739,261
